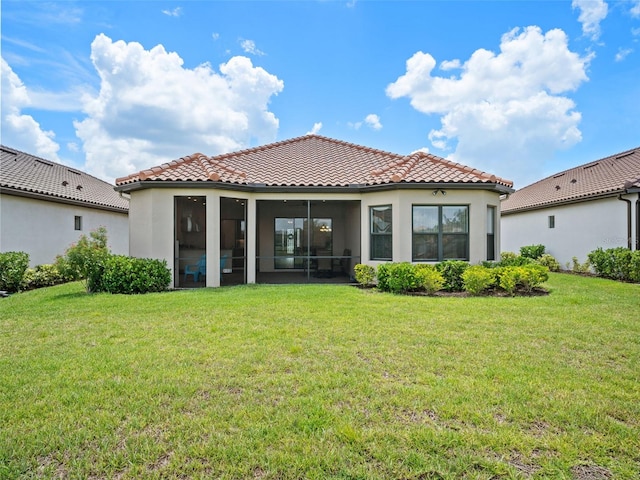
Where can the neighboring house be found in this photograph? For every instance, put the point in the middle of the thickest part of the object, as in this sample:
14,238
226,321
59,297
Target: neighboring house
45,207
309,208
576,211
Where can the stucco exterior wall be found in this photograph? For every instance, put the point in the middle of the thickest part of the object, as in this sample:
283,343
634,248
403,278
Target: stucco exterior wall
579,228
402,202
45,229
152,222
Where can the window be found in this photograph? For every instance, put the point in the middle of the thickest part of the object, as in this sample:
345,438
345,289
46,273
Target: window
440,232
77,222
381,237
552,221
491,233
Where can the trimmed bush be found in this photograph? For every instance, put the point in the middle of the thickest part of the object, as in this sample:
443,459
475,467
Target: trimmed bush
452,271
533,252
382,274
616,263
549,261
525,277
478,279
365,274
634,266
13,266
429,279
510,259
532,276
45,275
129,275
401,278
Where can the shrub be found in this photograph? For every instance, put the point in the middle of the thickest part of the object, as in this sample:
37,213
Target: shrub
400,278
533,252
549,261
429,278
526,277
634,267
13,266
365,274
617,263
508,278
532,276
43,276
510,259
129,275
577,267
85,259
382,274
452,271
477,279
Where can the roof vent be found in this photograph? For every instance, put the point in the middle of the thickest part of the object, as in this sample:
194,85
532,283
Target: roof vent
590,166
79,187
626,154
573,180
557,187
65,183
44,162
73,171
559,175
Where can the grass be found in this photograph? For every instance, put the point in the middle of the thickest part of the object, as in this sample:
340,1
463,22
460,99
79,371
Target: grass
321,381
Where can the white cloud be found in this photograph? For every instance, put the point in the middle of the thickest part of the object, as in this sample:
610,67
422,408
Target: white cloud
635,9
503,113
316,128
249,46
372,120
622,54
215,36
176,12
150,109
592,12
19,130
450,65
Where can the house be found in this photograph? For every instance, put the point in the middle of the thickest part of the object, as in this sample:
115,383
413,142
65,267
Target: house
45,207
578,210
309,209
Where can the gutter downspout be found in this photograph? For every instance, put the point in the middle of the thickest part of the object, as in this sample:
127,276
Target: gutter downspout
629,244
638,222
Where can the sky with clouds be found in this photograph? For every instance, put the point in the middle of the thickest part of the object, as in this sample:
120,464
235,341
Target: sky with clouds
521,89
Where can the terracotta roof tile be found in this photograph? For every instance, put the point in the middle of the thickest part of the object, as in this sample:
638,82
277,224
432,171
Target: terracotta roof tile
607,176
313,160
29,174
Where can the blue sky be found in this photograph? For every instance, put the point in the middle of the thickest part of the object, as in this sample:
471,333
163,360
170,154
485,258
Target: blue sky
521,89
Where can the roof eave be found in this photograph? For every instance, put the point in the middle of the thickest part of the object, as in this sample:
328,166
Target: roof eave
351,188
570,201
67,201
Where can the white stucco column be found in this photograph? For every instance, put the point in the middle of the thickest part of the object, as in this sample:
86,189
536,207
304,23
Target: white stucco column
213,239
250,240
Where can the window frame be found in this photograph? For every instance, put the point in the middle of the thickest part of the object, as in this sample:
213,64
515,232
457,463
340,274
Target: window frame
551,219
376,237
491,232
440,234
77,223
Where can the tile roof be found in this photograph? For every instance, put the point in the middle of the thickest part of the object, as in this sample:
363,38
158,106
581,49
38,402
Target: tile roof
608,176
313,161
28,175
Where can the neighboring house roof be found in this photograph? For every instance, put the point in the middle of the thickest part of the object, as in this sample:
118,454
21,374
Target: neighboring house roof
30,176
608,176
312,161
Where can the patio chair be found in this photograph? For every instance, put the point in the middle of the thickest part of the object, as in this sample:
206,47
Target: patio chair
197,269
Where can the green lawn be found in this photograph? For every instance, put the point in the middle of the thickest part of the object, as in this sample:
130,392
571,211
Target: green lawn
321,381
